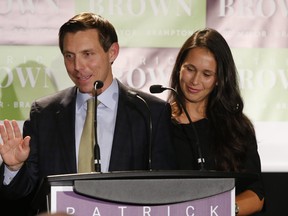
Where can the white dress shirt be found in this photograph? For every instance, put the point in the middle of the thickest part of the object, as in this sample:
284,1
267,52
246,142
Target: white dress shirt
106,118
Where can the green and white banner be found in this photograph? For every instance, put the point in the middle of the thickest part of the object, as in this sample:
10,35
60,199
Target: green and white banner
150,35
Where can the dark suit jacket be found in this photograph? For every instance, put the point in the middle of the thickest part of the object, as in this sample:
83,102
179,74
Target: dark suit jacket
52,129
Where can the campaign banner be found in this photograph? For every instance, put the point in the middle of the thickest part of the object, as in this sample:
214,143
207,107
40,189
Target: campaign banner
150,34
66,200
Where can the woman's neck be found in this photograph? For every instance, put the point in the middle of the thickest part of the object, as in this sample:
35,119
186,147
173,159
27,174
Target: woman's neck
196,112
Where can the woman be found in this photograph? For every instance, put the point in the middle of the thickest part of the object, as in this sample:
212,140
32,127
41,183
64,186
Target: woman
205,78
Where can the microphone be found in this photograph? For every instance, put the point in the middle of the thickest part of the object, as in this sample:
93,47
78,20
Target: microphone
98,84
134,94
160,89
97,164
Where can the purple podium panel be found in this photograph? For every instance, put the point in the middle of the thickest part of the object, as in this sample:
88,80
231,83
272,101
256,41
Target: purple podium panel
143,193
64,199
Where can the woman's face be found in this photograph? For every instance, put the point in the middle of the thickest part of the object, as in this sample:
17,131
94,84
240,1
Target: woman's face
198,75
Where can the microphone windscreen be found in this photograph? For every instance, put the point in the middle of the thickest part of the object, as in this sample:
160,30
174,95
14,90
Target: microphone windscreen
156,89
98,84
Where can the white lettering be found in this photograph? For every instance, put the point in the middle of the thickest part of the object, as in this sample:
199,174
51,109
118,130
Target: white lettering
161,75
70,210
190,209
96,212
122,209
30,76
146,211
269,4
213,211
21,104
246,79
141,7
132,10
223,6
163,6
6,76
127,32
118,6
171,60
284,7
186,7
28,6
9,60
47,75
248,8
266,79
284,78
136,75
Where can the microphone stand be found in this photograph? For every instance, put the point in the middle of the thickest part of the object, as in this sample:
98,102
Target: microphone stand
97,164
159,89
134,94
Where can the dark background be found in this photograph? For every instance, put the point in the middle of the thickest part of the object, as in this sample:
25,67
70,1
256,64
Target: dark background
276,198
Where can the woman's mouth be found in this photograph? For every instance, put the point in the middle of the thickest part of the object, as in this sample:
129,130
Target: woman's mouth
193,90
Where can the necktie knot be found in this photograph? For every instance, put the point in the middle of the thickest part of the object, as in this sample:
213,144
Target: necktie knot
90,105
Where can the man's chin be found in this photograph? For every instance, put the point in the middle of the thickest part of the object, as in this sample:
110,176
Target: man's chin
85,90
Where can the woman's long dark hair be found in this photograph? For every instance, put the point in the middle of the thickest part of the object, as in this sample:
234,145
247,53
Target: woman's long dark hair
233,130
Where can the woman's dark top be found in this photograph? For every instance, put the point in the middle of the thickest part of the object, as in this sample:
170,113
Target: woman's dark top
187,153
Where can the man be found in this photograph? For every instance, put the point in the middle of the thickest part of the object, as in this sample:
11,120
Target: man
52,134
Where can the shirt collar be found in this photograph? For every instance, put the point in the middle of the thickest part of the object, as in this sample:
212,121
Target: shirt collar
108,98
81,99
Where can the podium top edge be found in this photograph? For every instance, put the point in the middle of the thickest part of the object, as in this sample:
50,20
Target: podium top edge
146,174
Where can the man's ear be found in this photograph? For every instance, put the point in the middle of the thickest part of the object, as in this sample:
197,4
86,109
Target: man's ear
113,52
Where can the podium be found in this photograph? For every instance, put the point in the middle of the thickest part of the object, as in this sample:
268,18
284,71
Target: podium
145,193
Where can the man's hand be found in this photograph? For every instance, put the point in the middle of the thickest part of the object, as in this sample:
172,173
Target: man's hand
14,149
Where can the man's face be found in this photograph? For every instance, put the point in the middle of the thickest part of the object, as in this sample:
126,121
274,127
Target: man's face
86,61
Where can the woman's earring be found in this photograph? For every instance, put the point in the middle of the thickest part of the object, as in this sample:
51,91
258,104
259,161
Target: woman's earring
237,106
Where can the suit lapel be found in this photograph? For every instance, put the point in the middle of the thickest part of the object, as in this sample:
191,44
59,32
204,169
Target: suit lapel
122,132
128,139
66,128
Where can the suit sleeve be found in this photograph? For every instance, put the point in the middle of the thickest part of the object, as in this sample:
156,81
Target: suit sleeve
24,183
